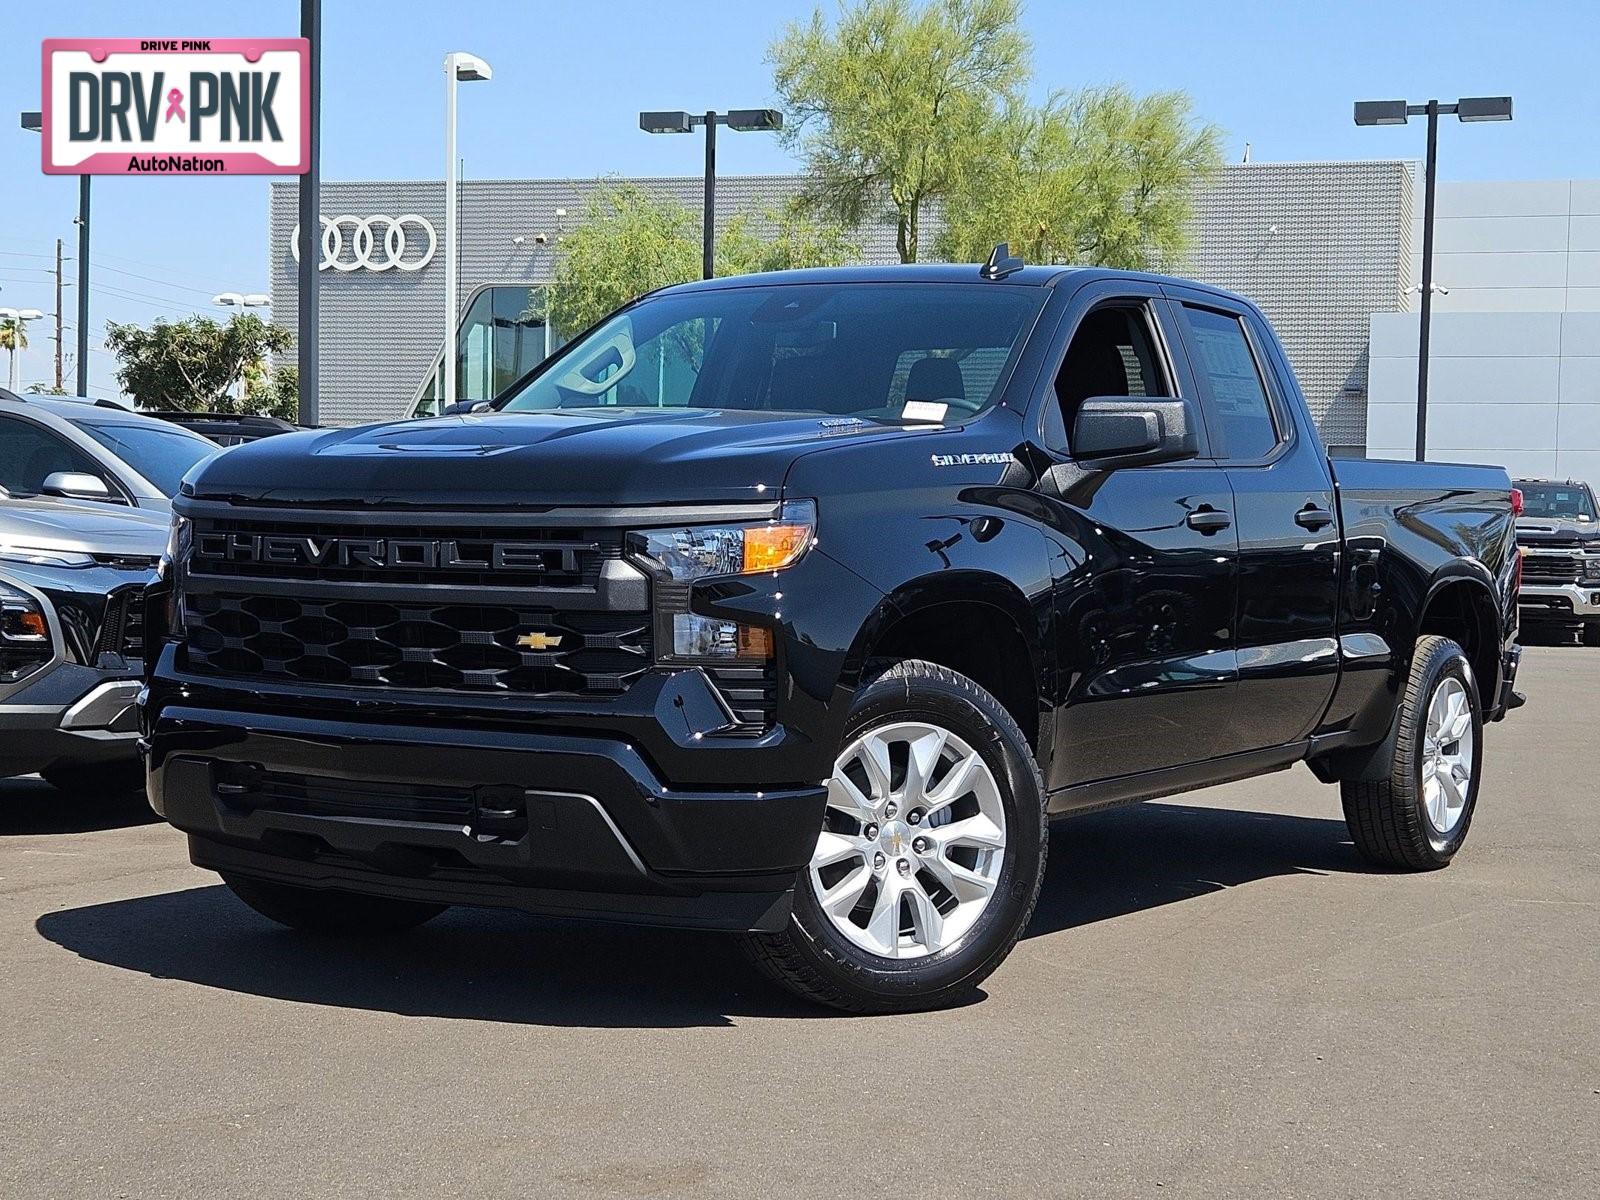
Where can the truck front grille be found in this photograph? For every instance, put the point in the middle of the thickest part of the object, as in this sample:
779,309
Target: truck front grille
459,646
1551,568
389,553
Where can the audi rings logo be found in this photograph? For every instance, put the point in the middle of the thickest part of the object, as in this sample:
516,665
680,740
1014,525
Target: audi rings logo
377,242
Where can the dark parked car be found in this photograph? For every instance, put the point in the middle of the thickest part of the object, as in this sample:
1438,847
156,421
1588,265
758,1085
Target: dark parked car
1559,532
798,605
228,429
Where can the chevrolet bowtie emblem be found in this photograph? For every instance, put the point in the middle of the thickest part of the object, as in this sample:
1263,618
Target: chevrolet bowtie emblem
540,641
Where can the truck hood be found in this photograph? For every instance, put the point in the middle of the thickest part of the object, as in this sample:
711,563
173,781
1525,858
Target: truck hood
1551,531
83,528
591,456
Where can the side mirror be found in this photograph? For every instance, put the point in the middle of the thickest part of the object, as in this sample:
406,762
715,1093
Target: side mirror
1119,431
461,407
76,485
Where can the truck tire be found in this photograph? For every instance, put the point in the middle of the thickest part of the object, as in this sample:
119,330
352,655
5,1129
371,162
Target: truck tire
1417,817
931,854
95,780
335,913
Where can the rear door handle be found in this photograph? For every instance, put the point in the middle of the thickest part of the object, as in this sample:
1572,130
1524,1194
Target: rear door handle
1208,520
1313,518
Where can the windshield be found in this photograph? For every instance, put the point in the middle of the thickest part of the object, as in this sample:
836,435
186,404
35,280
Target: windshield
890,351
161,455
1564,501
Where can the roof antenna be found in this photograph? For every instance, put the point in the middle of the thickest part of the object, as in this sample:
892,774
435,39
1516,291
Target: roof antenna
1001,263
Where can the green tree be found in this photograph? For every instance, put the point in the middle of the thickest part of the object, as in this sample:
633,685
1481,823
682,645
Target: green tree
13,337
194,365
47,389
631,242
275,392
1101,177
793,238
896,100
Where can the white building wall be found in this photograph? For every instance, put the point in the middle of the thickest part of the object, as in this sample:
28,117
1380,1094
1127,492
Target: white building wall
1515,356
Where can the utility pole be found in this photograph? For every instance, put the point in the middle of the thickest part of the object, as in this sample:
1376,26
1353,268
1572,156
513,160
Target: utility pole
58,314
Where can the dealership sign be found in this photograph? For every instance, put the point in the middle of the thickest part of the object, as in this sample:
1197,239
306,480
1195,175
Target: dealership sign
167,106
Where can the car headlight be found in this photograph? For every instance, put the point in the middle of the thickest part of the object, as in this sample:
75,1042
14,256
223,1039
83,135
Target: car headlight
679,557
44,556
24,634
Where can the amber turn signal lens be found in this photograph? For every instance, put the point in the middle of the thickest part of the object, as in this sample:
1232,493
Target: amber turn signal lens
755,641
768,547
33,625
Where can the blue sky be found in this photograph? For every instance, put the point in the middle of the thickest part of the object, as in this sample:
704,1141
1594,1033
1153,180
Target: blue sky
570,79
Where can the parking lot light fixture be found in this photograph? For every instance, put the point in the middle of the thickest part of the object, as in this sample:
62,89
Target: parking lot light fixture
740,120
18,317
459,67
1469,109
33,120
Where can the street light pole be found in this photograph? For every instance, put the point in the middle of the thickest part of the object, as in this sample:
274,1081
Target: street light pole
1469,109
458,66
742,120
34,120
1429,176
18,319
709,216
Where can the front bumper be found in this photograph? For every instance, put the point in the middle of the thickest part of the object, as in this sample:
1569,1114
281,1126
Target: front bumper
576,826
71,715
1563,602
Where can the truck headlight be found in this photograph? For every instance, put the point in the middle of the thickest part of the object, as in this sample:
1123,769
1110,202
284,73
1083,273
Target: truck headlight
24,634
1591,569
679,557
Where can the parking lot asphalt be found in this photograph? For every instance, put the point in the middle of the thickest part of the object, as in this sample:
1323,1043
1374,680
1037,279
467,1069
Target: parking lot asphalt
1216,998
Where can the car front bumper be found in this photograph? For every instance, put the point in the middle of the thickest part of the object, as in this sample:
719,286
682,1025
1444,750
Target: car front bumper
1564,602
71,715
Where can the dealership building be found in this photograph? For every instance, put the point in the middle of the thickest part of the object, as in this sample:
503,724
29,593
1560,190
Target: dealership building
1331,251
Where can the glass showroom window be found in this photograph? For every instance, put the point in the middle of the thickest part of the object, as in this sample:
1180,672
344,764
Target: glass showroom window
502,338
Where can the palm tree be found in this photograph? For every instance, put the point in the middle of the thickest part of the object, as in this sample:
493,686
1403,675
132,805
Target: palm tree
13,337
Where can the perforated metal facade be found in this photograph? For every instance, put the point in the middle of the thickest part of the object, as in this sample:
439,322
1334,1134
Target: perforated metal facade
1340,251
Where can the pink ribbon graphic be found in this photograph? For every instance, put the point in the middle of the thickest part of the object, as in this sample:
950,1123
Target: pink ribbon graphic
174,106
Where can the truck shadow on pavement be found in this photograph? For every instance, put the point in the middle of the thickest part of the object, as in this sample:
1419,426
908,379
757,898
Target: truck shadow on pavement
30,806
500,966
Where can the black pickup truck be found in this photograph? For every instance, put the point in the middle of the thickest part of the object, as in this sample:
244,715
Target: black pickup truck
798,605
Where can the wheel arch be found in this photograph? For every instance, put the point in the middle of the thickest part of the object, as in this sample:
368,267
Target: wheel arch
974,623
1461,606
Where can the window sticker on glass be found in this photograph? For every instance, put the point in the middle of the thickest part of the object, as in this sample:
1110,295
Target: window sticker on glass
924,410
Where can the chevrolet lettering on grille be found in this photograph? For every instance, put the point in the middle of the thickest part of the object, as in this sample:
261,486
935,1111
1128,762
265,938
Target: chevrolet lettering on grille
355,553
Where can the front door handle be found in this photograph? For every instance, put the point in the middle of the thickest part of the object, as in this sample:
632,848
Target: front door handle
1313,518
1208,520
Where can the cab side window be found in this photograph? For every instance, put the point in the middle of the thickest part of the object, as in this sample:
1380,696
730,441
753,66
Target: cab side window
1241,416
1111,354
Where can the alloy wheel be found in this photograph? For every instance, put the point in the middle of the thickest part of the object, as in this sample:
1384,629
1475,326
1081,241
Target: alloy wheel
1448,745
913,840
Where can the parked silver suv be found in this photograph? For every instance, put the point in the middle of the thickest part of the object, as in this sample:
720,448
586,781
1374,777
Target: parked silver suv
1559,532
93,450
72,577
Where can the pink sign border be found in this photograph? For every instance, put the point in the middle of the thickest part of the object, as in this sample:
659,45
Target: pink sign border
115,162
